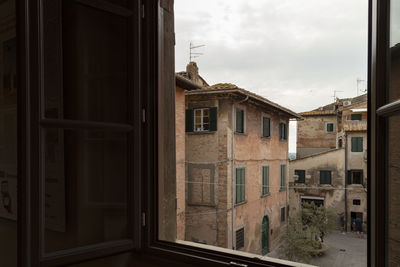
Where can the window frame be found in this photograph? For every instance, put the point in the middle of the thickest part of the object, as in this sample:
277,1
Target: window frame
241,186
202,120
327,124
301,182
150,247
356,115
356,149
330,176
283,214
263,185
283,174
243,111
262,126
283,131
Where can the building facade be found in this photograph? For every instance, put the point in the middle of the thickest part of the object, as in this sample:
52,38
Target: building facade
331,165
236,168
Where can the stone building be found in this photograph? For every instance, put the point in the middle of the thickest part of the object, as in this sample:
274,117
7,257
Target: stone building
236,168
331,165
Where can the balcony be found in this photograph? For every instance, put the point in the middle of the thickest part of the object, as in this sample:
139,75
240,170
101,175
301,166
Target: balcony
355,126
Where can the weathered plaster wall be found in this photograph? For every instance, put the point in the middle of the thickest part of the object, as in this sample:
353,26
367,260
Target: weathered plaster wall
333,194
253,151
312,136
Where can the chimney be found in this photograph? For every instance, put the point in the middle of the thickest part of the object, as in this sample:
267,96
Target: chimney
193,72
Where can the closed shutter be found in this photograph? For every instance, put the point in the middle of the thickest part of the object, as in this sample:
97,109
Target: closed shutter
240,185
355,117
189,120
356,144
283,176
348,177
265,180
213,118
266,127
239,120
240,238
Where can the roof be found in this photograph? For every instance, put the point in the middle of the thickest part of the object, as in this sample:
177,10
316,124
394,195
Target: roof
184,74
185,83
232,88
332,108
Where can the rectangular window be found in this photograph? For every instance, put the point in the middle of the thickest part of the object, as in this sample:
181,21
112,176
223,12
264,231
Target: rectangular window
282,131
201,120
355,117
301,176
355,177
356,202
240,185
356,144
239,120
265,180
266,125
283,214
329,127
325,177
283,176
240,238
340,143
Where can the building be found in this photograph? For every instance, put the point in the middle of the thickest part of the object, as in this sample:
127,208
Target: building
331,167
237,163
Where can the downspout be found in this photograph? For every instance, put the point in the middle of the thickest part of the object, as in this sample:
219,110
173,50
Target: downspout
345,182
233,164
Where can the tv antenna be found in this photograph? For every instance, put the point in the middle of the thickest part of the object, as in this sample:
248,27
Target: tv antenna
194,54
358,82
334,94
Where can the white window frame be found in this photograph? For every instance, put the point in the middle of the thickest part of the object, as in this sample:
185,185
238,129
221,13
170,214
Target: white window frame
326,127
202,120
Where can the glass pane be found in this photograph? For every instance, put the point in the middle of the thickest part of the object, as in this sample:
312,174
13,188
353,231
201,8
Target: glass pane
85,174
85,63
8,135
393,201
394,52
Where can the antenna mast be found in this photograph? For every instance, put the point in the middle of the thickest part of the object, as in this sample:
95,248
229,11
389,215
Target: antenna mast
192,54
334,94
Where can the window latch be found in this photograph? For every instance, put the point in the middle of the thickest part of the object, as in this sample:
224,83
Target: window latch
237,264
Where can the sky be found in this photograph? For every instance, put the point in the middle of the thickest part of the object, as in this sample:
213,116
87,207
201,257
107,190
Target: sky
293,52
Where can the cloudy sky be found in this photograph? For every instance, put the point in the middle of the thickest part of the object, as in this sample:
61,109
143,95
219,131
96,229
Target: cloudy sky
293,52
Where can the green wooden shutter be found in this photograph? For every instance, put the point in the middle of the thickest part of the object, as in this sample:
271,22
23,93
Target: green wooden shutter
353,144
265,180
189,120
283,176
266,127
360,144
348,177
240,185
355,117
239,120
213,118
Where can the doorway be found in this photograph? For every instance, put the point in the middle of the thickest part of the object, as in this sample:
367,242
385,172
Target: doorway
264,235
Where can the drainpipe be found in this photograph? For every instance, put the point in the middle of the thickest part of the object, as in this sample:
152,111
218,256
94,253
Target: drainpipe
345,182
233,164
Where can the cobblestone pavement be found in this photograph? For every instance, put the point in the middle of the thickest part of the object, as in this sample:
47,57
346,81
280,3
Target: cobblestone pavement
345,250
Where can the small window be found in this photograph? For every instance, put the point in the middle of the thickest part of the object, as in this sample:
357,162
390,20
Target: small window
355,117
340,143
355,177
266,127
283,176
325,177
265,180
329,127
356,144
240,185
240,238
201,119
282,214
356,202
239,120
301,174
282,131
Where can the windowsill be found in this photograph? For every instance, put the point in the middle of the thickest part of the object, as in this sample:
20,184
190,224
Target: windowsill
282,189
201,205
204,132
244,134
240,253
266,138
265,195
241,203
326,185
283,140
